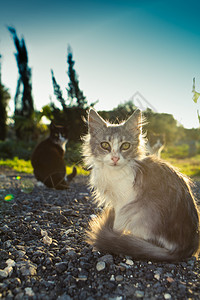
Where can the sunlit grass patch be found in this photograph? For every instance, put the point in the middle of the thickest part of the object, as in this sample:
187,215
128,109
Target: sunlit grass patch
179,156
189,166
24,166
19,165
80,170
177,152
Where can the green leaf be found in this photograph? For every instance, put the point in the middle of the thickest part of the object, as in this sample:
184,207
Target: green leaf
196,96
198,115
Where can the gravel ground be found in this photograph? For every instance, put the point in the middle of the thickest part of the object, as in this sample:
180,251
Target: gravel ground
43,254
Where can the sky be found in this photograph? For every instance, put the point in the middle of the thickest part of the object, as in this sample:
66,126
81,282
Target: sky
144,50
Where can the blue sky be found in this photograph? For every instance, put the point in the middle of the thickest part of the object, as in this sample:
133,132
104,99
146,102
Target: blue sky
120,47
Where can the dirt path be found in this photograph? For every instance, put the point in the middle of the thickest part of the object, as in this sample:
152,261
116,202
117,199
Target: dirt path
43,254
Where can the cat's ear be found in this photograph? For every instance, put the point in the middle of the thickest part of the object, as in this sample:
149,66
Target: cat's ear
134,122
95,121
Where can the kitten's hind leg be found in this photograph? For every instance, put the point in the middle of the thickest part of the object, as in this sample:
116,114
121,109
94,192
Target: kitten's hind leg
72,175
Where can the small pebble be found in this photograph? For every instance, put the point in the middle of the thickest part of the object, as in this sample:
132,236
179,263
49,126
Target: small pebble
3,273
10,262
9,270
28,269
64,297
61,267
47,240
21,253
82,278
107,259
167,296
112,278
100,266
170,279
29,292
157,276
119,278
2,176
139,294
129,262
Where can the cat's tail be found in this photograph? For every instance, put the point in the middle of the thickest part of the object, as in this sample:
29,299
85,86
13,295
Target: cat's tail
104,238
72,175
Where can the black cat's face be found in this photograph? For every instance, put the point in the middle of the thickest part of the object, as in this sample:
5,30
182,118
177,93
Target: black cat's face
58,134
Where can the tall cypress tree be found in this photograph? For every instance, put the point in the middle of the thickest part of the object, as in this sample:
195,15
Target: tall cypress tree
24,108
74,92
4,98
75,107
57,91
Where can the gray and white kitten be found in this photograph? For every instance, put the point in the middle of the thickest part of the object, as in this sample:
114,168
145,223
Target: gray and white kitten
150,212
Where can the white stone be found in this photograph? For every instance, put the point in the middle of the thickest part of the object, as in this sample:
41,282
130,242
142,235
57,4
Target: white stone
119,278
67,231
112,278
10,262
157,276
29,292
43,232
9,270
129,262
47,240
3,273
167,296
40,184
139,294
100,266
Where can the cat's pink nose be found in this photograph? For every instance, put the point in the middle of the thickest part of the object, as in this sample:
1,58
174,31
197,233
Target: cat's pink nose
115,159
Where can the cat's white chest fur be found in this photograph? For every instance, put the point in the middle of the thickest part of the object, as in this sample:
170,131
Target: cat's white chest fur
114,186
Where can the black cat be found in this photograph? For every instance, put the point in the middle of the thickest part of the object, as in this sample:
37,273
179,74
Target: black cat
48,159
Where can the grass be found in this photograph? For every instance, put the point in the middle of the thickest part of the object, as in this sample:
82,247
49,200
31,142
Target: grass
189,166
19,165
24,166
179,157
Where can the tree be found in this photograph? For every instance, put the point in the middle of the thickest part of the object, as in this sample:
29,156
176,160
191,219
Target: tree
195,97
4,98
57,91
161,123
74,108
74,92
24,110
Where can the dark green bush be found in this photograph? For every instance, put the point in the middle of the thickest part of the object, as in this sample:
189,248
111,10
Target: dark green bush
21,149
73,153
178,151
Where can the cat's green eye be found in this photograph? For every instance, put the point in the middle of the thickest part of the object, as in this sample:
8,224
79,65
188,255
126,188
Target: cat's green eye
105,146
125,146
